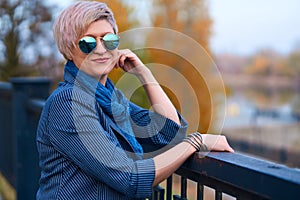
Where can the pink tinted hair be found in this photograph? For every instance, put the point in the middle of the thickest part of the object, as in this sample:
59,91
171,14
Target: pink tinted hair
74,20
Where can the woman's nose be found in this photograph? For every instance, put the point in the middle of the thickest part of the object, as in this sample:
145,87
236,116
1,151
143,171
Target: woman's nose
100,49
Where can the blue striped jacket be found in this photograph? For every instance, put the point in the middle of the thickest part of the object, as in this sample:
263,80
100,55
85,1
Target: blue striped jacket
83,155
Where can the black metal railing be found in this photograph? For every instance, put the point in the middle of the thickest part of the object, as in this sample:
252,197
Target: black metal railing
19,118
237,175
233,174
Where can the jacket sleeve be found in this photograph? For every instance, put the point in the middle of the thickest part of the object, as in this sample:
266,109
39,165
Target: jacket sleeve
76,133
155,131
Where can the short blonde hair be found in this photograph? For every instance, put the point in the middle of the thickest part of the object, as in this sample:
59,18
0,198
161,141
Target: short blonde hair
74,21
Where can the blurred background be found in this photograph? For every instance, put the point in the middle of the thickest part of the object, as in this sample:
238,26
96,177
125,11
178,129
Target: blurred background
254,44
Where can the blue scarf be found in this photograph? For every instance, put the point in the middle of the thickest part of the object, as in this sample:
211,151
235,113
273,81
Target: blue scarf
111,100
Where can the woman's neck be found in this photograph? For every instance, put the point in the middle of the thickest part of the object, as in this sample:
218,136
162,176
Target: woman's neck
103,79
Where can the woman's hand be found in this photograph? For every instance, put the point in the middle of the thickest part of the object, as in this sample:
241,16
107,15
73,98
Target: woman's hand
160,102
216,142
130,62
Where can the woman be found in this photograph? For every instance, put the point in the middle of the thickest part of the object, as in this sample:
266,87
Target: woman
94,143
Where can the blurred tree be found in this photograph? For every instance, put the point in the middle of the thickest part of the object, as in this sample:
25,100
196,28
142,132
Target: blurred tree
122,13
191,18
265,63
293,64
24,33
259,65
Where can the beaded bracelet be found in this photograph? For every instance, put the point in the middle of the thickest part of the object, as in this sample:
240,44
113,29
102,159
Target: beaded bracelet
196,140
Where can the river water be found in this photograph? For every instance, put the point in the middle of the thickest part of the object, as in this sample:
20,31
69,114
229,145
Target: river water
266,119
251,107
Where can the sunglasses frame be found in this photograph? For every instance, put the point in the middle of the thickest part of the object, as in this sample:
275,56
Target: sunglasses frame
106,43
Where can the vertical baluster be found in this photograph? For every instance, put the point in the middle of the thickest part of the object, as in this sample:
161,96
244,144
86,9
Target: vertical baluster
169,188
183,187
176,197
218,195
162,194
158,193
200,191
154,194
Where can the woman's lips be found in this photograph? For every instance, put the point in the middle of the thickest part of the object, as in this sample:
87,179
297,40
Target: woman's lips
101,60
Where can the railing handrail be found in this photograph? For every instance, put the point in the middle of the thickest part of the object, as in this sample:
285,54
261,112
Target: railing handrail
36,105
252,175
262,166
5,86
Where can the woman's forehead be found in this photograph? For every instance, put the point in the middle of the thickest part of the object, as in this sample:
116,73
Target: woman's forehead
99,28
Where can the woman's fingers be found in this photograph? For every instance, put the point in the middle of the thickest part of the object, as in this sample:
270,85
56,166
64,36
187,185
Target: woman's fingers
216,142
130,62
228,147
123,55
122,60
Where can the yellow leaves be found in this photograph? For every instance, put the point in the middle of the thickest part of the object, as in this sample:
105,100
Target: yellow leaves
190,18
121,14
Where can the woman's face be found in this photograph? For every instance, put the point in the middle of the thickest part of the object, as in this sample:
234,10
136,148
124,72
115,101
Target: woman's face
100,61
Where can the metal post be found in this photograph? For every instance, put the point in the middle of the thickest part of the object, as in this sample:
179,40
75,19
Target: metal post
24,131
6,136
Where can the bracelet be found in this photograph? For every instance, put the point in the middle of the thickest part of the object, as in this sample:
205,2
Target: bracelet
196,140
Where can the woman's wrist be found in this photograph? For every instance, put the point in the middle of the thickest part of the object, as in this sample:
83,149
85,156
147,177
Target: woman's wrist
146,76
196,140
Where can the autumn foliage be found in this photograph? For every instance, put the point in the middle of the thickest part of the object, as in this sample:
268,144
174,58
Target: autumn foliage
191,19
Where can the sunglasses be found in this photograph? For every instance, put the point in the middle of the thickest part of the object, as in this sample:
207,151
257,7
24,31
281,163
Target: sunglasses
88,43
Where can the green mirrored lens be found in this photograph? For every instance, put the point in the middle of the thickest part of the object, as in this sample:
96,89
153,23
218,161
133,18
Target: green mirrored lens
87,44
111,41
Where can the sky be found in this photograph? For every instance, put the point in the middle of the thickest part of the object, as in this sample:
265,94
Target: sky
247,26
